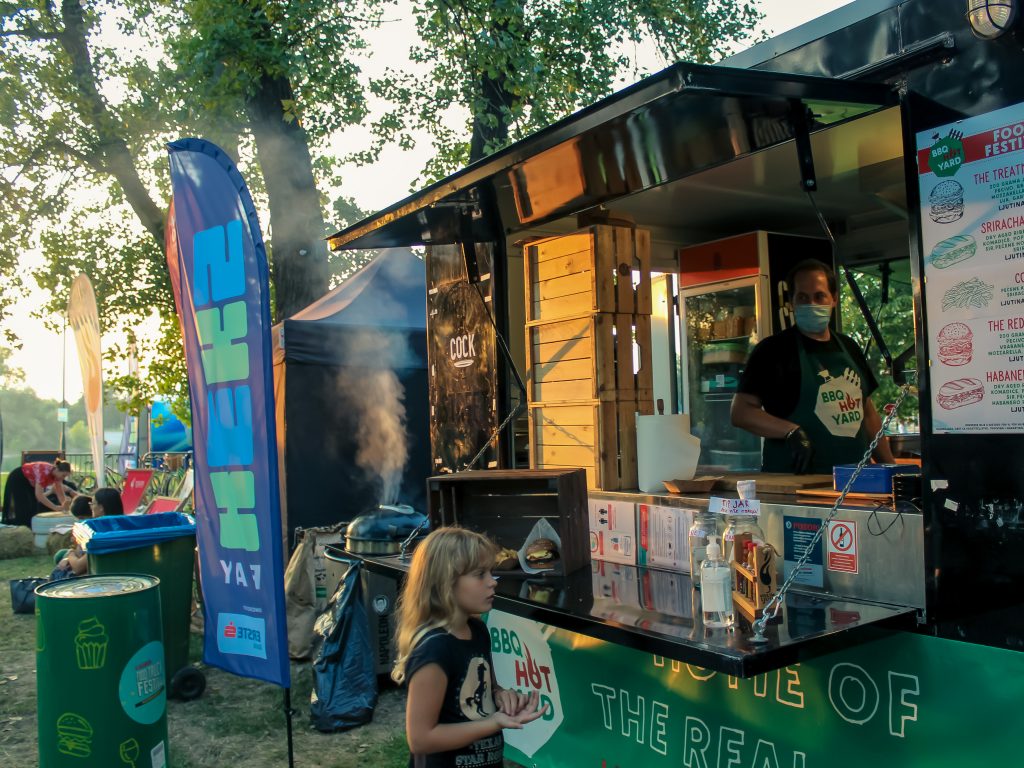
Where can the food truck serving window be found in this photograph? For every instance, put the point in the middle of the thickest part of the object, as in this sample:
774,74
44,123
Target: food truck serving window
685,119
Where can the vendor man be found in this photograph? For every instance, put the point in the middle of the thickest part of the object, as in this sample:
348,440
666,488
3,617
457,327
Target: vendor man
807,390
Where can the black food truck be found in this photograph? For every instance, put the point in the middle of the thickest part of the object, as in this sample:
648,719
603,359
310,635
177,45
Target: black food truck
593,295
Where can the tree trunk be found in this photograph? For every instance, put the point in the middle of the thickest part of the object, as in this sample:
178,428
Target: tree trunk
297,246
111,148
496,95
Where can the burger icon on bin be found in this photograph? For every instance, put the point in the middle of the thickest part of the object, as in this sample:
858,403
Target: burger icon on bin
74,735
956,346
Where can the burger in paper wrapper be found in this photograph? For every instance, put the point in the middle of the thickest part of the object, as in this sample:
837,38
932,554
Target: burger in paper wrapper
542,553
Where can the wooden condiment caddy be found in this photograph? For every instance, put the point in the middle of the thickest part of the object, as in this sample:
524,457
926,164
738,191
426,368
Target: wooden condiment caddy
753,567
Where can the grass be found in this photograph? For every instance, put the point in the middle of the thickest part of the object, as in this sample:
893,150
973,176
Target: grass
237,721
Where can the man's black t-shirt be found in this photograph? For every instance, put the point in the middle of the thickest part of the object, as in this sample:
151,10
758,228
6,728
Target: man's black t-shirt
772,372
468,696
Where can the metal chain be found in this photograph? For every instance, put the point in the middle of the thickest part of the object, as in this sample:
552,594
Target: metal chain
515,412
771,610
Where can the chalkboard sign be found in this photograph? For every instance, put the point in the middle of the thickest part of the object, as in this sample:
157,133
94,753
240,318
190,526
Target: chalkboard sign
461,355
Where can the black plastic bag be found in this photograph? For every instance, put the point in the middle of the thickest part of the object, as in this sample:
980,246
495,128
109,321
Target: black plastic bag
23,594
344,676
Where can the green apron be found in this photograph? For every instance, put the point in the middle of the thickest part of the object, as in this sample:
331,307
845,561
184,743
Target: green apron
830,409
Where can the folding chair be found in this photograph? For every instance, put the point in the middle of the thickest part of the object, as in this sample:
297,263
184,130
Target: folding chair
162,504
136,483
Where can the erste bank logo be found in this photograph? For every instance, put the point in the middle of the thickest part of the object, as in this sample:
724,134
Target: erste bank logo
241,635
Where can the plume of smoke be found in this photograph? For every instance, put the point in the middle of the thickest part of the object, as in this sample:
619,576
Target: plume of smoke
369,385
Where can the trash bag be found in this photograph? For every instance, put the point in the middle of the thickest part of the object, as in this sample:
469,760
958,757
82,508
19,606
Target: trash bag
344,678
299,599
307,587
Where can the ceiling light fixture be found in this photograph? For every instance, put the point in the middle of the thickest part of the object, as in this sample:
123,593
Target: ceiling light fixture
991,18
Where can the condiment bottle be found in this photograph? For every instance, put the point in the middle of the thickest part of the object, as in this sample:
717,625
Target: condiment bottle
705,525
716,588
737,524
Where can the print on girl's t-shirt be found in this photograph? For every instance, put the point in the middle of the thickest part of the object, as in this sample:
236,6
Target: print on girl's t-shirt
477,699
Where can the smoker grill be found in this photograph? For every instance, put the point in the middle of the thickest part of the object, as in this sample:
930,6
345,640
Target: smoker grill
383,530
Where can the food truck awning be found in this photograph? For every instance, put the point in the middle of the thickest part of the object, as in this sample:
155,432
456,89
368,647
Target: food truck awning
683,120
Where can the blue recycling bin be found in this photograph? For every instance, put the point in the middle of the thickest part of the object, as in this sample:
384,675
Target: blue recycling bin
161,545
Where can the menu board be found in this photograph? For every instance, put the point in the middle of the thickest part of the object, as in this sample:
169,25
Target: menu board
971,175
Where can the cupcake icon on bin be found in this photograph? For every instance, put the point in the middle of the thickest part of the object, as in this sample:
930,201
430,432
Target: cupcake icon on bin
91,644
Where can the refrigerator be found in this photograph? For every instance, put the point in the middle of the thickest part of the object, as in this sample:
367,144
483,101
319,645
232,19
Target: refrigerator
721,322
732,294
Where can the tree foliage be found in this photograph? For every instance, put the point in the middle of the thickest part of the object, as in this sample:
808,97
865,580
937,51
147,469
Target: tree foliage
90,91
516,66
895,318
83,123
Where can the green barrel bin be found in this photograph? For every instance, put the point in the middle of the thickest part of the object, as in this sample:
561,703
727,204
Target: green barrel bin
161,545
101,688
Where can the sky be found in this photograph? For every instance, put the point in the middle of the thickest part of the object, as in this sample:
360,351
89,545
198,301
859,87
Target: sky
372,187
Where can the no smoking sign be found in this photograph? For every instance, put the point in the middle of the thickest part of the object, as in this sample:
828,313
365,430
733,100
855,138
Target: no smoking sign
841,547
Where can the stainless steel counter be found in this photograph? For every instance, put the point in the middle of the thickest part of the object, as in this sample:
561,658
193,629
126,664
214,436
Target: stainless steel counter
890,545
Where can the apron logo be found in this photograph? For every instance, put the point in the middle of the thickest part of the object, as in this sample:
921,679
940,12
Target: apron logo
840,404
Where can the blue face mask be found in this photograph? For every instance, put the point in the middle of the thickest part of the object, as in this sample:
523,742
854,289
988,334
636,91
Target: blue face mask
812,318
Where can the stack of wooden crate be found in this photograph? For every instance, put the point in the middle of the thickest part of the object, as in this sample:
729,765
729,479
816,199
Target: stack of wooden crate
588,350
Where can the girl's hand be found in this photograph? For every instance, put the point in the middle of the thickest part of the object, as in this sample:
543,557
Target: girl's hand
511,702
527,714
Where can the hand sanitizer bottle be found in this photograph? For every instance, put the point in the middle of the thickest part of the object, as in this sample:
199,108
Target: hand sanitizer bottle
705,525
716,587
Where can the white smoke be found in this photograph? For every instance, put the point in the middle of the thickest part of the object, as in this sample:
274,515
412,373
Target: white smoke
369,385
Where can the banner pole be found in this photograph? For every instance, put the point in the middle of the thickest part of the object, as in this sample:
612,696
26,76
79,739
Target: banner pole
288,712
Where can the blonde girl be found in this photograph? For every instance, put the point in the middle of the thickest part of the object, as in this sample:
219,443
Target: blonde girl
455,711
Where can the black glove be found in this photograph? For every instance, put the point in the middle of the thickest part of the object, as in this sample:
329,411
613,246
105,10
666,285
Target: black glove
802,450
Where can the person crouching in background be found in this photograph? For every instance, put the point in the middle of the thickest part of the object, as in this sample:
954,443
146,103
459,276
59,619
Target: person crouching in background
106,501
25,490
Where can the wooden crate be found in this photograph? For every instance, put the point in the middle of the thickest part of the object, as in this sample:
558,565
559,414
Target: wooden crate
599,436
587,272
505,504
589,357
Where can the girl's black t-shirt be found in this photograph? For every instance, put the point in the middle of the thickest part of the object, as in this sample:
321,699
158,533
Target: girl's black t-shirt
469,694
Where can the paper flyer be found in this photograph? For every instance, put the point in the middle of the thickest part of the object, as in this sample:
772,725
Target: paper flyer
971,176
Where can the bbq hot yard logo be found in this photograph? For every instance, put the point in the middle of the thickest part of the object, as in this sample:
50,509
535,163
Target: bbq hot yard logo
947,154
522,660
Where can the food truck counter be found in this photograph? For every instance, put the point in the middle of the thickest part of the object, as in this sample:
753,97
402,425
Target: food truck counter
888,543
659,612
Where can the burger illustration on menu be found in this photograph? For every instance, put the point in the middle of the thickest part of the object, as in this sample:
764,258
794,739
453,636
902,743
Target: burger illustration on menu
956,346
960,392
947,202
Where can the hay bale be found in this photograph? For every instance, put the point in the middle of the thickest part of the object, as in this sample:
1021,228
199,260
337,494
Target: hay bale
16,541
57,541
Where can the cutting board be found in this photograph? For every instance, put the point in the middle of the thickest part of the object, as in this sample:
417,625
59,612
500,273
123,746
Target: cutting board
774,482
828,494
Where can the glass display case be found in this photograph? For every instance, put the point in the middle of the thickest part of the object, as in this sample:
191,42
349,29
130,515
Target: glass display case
721,323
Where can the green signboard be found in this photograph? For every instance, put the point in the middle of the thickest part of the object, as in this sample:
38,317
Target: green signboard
898,699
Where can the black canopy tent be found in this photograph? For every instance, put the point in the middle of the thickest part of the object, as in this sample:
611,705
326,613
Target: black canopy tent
326,360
